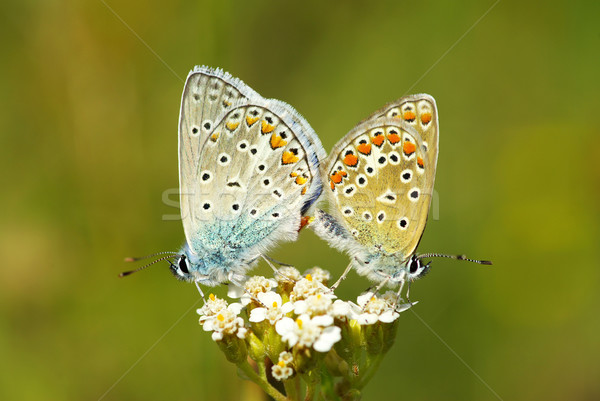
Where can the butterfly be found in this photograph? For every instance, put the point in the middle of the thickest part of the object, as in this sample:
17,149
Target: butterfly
380,183
248,172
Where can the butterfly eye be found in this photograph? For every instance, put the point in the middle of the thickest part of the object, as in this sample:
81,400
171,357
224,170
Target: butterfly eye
183,265
415,264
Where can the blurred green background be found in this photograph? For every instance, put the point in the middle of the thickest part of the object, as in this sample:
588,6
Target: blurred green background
90,102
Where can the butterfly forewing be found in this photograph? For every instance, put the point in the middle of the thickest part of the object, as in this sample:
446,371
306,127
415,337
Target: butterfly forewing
207,96
419,112
248,165
381,176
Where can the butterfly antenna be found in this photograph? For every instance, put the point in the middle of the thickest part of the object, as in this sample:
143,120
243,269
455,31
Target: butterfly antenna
135,259
456,257
127,273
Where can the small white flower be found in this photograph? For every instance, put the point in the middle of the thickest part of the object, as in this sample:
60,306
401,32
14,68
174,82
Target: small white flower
281,371
391,298
306,287
340,309
241,332
253,286
225,322
286,357
286,273
313,305
316,332
212,306
371,309
273,310
235,291
321,275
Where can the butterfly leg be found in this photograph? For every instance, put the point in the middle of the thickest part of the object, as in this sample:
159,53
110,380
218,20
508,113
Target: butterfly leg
342,277
379,287
276,261
275,270
200,291
408,293
399,293
382,284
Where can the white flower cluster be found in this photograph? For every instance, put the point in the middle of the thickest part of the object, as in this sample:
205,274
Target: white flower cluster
317,332
309,316
283,369
371,309
274,308
222,319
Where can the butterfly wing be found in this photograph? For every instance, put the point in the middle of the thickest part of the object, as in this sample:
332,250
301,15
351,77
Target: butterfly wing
381,176
419,112
248,166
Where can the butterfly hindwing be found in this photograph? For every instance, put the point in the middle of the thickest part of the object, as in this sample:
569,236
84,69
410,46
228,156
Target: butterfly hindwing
249,168
262,174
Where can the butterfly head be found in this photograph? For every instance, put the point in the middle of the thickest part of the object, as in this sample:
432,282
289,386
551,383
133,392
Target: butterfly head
180,268
415,268
187,266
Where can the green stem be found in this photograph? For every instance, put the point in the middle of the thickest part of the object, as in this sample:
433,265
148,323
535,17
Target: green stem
327,385
291,389
298,384
272,391
371,367
312,385
262,369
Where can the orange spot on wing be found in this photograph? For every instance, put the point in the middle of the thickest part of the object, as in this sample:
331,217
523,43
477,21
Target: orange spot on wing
426,118
409,148
293,174
364,148
420,162
277,141
214,137
303,192
301,180
336,177
232,126
251,120
409,115
304,220
266,127
394,138
288,158
378,140
332,185
350,160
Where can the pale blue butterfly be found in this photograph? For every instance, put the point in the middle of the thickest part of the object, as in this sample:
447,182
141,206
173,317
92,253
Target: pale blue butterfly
381,177
248,171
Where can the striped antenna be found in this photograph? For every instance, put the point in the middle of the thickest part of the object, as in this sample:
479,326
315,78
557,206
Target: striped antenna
456,257
135,259
127,273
